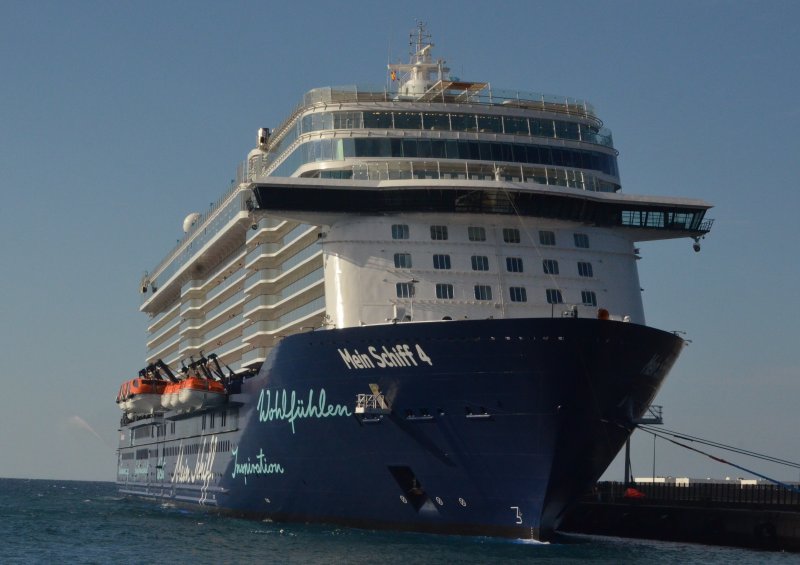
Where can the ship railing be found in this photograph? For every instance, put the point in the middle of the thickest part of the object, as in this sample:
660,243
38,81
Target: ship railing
371,404
409,169
489,96
160,271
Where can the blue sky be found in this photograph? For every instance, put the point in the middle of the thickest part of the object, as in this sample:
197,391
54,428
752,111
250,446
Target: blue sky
119,118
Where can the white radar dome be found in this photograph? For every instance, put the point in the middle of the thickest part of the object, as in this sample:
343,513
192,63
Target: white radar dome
189,221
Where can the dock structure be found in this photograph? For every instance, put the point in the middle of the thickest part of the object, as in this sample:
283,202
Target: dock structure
733,513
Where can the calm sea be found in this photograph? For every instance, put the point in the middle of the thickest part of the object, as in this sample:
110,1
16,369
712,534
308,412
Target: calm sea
87,522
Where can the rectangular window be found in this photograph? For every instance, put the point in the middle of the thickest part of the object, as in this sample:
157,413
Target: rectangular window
223,418
511,235
550,266
514,264
444,290
480,263
589,298
581,240
203,422
518,294
402,260
483,292
585,269
439,232
211,420
405,289
441,261
476,233
547,237
554,296
399,231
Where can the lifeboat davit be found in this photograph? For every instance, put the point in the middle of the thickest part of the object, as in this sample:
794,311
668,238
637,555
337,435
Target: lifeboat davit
140,396
195,393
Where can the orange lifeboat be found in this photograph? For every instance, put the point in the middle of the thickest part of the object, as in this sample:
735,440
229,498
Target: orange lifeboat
196,393
169,398
140,395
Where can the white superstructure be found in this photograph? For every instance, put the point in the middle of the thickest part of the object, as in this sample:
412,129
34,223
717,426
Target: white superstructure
495,204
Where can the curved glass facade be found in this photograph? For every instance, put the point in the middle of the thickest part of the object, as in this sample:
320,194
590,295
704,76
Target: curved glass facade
339,149
442,121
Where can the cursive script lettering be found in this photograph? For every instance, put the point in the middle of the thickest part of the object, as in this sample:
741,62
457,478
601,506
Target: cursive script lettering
283,405
259,467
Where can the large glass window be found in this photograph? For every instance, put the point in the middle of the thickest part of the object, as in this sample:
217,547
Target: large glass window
585,269
463,122
516,126
347,120
402,260
399,231
589,298
444,290
441,261
407,120
493,124
514,264
483,292
463,149
378,120
550,266
436,121
480,263
542,128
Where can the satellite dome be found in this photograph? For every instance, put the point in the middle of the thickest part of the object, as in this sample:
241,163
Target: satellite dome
190,221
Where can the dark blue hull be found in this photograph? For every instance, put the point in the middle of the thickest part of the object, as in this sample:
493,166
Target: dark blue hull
494,426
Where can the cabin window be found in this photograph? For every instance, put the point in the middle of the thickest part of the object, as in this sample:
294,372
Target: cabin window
514,264
211,420
439,232
444,291
399,231
441,261
511,235
585,269
581,240
405,289
480,263
550,266
518,294
476,233
402,260
483,292
547,237
589,298
554,296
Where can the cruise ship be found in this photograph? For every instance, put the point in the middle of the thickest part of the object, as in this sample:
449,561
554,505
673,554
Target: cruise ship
416,308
